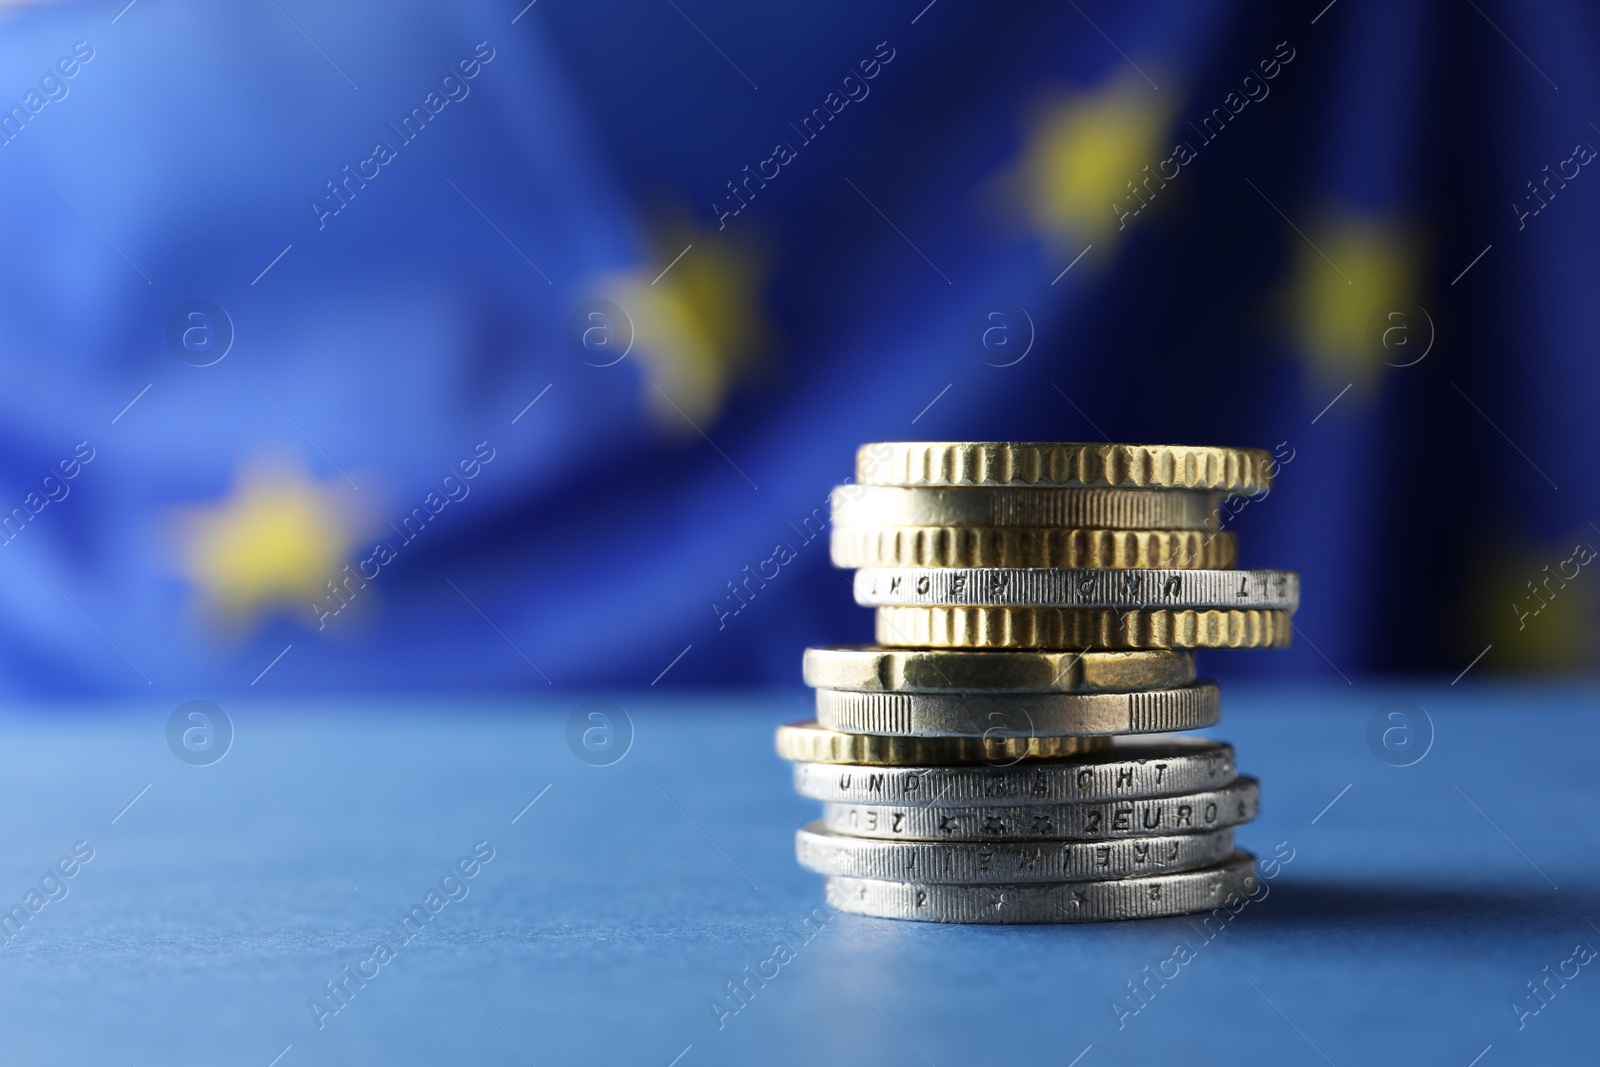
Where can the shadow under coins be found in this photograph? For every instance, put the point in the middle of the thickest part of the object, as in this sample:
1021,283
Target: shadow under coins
1421,910
1352,915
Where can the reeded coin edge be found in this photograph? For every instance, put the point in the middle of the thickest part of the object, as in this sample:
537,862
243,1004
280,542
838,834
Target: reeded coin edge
852,547
1109,629
807,742
1242,471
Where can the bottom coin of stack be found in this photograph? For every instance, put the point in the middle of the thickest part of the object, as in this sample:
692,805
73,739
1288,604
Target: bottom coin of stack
1014,787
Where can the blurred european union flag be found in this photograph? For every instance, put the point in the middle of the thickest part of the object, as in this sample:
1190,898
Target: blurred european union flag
496,345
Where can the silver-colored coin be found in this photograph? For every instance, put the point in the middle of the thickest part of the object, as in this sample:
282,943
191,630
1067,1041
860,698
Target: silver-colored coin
1135,767
1186,813
1102,587
1229,884
1003,863
1147,711
1116,509
942,670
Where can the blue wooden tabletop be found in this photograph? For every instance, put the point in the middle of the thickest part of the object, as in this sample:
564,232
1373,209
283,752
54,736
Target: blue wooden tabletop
276,902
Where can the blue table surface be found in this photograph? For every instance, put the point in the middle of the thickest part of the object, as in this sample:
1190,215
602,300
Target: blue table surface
1416,909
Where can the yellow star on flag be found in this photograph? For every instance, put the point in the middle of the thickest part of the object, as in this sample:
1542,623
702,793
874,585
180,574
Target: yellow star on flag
1082,151
1349,278
271,543
1537,604
698,322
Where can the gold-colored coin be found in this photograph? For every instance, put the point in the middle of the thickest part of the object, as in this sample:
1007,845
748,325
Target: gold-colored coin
1102,628
1241,471
983,546
1005,505
910,670
806,742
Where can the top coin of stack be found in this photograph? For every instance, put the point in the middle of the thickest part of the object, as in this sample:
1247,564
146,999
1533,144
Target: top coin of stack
1035,602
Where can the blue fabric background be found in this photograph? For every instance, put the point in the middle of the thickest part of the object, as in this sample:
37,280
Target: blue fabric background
839,305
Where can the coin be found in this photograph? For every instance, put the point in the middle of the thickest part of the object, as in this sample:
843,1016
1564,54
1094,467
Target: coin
988,863
984,715
1115,509
1103,628
1209,809
1015,546
1026,587
908,670
809,743
1242,471
1228,884
1131,767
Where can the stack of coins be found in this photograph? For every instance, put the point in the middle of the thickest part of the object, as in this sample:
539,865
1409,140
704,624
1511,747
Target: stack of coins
999,756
